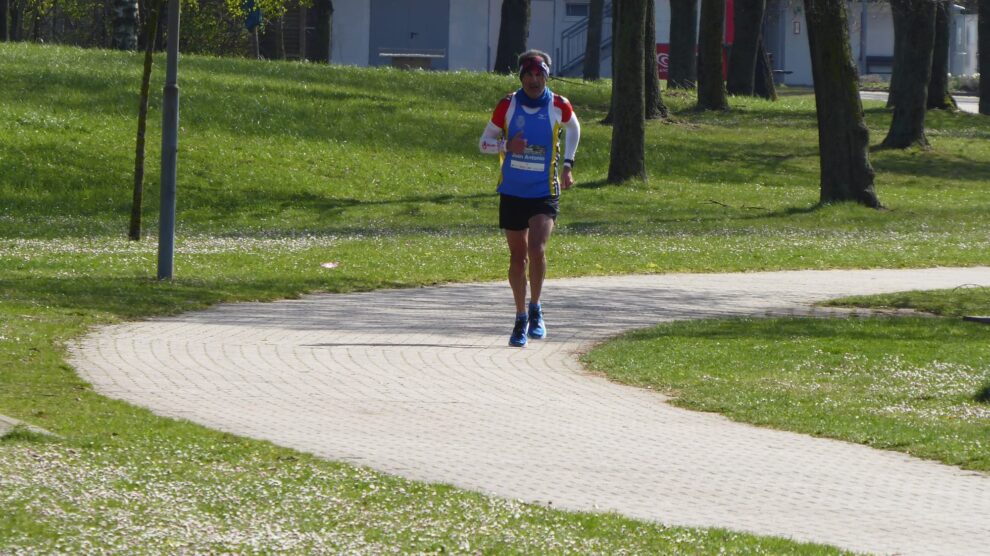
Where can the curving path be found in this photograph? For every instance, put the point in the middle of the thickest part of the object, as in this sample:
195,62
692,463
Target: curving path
419,383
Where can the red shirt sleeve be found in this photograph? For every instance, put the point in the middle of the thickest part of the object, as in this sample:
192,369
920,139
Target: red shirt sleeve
498,116
565,107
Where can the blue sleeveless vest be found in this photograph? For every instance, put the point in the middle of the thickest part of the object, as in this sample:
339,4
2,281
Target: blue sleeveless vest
533,174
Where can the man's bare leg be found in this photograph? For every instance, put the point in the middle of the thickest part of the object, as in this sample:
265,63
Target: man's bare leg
518,241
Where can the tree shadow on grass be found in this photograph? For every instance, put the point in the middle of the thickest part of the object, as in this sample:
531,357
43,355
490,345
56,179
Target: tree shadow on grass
597,184
849,331
138,297
983,396
931,165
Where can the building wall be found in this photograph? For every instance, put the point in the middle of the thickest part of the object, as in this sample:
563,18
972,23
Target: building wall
474,27
471,47
871,33
963,47
795,57
543,26
351,32
879,31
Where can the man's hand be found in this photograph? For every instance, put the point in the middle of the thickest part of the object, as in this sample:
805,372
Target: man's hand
566,178
516,145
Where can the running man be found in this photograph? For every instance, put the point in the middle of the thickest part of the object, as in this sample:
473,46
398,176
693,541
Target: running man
525,132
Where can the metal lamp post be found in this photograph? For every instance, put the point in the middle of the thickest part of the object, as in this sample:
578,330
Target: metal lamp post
170,148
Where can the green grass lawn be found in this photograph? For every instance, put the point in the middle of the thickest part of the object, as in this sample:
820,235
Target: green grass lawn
913,384
284,166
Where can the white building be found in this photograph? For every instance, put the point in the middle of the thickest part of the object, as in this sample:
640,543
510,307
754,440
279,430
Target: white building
463,34
871,36
443,34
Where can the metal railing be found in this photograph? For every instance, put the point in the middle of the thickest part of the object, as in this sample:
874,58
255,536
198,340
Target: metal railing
574,41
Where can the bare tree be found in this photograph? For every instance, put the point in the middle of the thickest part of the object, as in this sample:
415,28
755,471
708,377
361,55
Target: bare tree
512,34
748,19
16,15
763,85
984,55
655,108
711,86
593,51
324,29
607,120
938,86
628,153
682,71
843,138
898,17
4,23
150,24
908,124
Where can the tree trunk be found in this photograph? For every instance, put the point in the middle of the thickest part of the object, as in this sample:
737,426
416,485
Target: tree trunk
900,22
125,25
593,51
615,32
512,34
4,20
324,28
748,19
983,32
629,127
843,138
908,125
682,71
160,34
16,18
938,85
37,17
763,85
711,87
655,108
134,234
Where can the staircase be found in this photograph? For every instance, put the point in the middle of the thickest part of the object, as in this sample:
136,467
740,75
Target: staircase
574,42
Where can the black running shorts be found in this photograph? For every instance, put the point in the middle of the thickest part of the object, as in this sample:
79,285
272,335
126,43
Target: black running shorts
514,212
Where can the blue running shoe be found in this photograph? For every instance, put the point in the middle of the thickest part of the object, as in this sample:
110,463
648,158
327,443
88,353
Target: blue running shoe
518,338
537,329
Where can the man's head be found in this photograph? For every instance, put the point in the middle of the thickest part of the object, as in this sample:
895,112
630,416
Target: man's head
534,69
534,61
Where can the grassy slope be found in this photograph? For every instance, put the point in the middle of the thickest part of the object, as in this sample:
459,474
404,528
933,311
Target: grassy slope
285,166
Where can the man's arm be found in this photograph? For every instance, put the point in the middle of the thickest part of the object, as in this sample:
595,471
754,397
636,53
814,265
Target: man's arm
491,140
572,136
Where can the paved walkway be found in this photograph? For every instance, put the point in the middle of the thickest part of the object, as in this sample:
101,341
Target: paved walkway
419,383
965,103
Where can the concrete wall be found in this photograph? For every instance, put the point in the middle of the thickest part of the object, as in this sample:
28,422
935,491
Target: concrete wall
471,45
351,32
963,46
871,33
795,56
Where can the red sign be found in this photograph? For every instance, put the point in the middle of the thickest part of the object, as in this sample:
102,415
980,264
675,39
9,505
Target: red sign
663,60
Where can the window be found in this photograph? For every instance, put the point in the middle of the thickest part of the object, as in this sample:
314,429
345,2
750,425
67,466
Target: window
577,9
